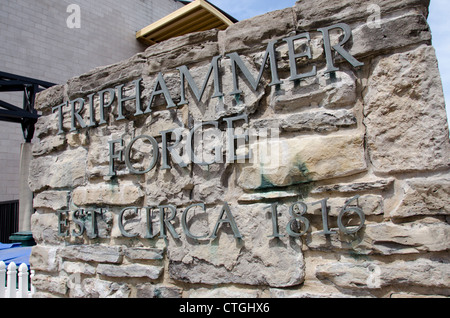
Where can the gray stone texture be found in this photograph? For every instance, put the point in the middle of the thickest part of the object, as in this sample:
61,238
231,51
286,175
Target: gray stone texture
376,135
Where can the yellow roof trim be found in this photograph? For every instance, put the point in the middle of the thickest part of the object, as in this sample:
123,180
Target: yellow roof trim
198,15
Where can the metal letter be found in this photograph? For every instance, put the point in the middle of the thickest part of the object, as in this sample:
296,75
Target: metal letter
60,117
299,217
165,222
155,155
184,221
94,227
294,56
112,95
76,114
185,74
160,82
120,221
173,153
275,221
229,219
148,211
231,157
121,99
237,61
92,122
113,155
63,223
324,209
338,48
357,210
78,217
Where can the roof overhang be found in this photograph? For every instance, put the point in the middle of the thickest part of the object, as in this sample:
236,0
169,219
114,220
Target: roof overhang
196,16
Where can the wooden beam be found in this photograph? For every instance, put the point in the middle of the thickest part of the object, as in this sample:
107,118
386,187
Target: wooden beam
199,15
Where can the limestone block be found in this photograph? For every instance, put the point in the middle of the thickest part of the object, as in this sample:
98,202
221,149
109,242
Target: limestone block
424,197
393,33
46,125
193,47
272,195
303,159
97,288
106,77
405,113
48,145
322,12
49,98
45,228
133,270
93,253
370,205
143,253
44,258
155,291
319,121
257,32
320,90
45,171
256,259
388,239
122,194
54,285
168,186
54,200
230,293
78,268
373,275
363,186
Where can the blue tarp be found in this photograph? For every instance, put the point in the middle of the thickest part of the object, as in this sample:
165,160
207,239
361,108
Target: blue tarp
15,253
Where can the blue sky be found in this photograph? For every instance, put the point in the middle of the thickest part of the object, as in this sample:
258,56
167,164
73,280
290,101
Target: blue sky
438,20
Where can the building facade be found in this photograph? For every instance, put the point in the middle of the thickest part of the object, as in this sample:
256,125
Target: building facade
56,40
300,153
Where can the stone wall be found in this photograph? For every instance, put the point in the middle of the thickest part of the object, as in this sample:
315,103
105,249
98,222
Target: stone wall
355,206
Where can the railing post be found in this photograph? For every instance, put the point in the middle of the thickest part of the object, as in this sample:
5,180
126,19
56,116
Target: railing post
2,279
33,289
11,290
23,281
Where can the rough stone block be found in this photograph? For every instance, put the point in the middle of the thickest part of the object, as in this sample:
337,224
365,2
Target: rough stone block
303,159
54,200
255,260
152,291
322,12
388,239
319,121
93,253
373,275
424,197
405,113
49,98
126,193
255,33
45,171
44,228
44,258
54,285
319,90
144,253
133,270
